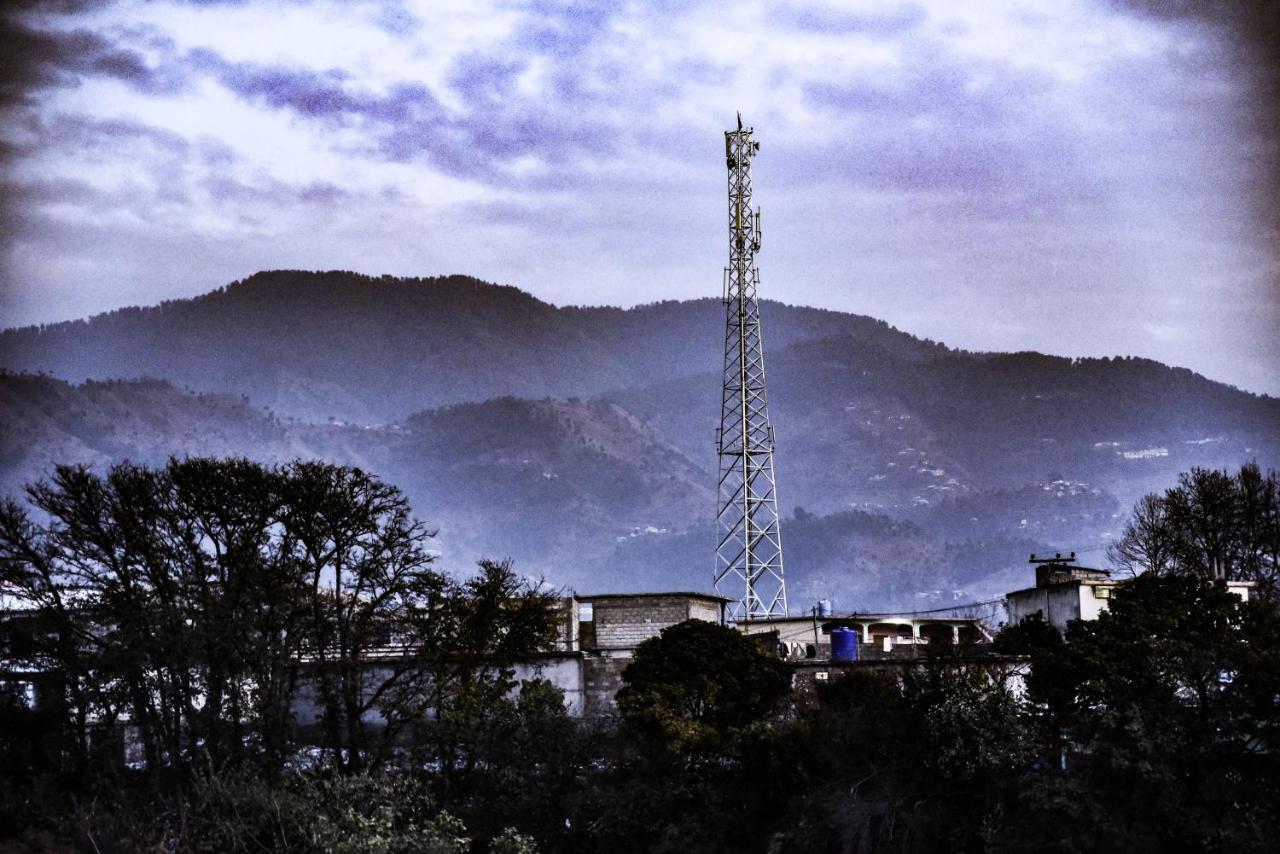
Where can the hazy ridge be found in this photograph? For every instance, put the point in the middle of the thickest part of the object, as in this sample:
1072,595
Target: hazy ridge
578,440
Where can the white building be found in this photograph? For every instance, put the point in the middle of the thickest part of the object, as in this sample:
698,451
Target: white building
1065,592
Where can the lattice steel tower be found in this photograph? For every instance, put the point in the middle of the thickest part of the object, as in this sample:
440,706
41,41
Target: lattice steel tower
749,552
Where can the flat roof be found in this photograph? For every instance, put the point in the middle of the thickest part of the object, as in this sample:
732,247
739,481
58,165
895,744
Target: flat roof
1101,582
688,594
836,618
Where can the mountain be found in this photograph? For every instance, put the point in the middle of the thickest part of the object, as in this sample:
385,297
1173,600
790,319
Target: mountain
374,350
578,441
581,492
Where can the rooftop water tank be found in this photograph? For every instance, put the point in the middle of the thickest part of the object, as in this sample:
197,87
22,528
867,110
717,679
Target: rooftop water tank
844,644
824,607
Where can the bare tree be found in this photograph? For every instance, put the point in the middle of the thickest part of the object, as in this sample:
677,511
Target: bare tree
1212,524
369,575
1146,544
199,600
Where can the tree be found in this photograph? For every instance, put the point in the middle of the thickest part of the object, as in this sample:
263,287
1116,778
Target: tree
369,579
697,679
1146,544
1258,521
1213,525
1166,700
198,601
1051,694
1201,512
149,588
461,666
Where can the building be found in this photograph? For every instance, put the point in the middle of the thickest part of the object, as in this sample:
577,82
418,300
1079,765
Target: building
599,636
879,635
1064,592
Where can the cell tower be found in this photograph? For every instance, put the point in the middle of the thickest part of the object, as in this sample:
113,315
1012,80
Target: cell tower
749,553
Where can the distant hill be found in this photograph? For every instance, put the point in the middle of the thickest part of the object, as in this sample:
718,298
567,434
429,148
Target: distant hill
374,350
579,440
581,492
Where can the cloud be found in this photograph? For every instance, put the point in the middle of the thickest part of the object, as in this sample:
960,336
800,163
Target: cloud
960,169
171,179
1245,37
935,124
33,60
567,29
325,95
405,121
826,19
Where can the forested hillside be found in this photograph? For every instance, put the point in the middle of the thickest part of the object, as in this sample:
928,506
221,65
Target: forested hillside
578,441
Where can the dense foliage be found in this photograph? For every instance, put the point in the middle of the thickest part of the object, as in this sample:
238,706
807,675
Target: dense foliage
186,605
672,694
220,614
1164,712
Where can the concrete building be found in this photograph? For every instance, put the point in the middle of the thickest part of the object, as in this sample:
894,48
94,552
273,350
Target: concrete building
598,637
880,635
1064,592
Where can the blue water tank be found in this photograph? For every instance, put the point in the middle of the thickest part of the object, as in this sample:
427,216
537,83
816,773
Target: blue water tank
844,644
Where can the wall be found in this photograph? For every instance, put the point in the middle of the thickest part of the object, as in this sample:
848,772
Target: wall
563,671
617,626
1058,603
624,622
566,611
1091,604
797,633
601,679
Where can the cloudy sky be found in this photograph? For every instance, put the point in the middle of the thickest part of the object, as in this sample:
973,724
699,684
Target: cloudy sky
1081,178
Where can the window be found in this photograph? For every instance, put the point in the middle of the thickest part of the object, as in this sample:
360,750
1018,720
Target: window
585,614
1102,592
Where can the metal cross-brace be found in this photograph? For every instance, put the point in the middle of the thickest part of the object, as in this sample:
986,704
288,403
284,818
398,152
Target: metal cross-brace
749,552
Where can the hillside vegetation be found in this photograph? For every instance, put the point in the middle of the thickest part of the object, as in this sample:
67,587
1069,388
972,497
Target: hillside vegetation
579,440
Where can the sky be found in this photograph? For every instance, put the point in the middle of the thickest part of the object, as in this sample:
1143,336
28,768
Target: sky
1081,177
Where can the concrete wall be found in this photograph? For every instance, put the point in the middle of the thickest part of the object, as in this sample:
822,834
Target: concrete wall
1058,604
602,679
797,633
624,622
1092,604
617,626
307,707
708,611
789,631
563,671
566,611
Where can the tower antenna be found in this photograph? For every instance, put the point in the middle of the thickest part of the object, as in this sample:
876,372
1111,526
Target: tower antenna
749,552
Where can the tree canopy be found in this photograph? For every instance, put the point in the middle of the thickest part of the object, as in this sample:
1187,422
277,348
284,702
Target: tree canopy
1164,711
1213,525
202,602
698,678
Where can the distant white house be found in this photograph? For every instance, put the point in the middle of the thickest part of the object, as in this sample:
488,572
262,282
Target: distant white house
1066,592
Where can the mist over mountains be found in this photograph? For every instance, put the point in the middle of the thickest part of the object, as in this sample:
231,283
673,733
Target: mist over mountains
578,441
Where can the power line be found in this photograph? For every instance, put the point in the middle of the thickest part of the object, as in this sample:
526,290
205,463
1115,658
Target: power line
962,605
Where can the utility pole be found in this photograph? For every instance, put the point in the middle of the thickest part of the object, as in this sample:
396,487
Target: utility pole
749,552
